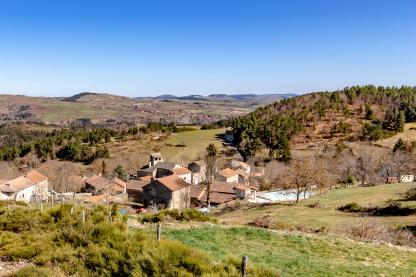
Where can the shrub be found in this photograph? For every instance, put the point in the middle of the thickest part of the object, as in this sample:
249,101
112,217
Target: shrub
352,208
410,195
185,215
262,222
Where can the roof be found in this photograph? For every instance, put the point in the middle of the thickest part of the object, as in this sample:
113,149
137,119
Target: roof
242,173
227,172
17,184
99,182
197,190
223,187
218,197
173,182
136,184
96,199
36,177
181,171
165,165
118,184
241,187
200,163
96,181
156,155
146,178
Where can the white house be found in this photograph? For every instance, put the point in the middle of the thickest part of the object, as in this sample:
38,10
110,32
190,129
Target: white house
30,187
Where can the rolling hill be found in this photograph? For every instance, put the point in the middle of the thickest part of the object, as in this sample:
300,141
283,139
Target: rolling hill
104,108
359,113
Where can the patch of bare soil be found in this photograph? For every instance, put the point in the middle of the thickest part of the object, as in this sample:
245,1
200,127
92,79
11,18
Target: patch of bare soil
8,267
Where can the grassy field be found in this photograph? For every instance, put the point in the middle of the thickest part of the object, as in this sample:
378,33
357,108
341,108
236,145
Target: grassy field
195,144
298,255
327,214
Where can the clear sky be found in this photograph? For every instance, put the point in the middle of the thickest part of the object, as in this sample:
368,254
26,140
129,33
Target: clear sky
152,47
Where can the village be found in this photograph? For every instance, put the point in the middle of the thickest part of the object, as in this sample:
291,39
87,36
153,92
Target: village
159,185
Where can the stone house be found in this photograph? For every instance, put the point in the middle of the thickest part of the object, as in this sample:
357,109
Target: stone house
169,192
31,187
227,175
199,169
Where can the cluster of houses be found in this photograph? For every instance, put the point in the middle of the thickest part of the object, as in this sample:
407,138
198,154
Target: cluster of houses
174,186
160,184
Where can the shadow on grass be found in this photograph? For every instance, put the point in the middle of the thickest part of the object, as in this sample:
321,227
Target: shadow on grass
392,209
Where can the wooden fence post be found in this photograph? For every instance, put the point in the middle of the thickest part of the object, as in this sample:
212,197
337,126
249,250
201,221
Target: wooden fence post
158,230
41,207
244,266
110,218
83,216
72,210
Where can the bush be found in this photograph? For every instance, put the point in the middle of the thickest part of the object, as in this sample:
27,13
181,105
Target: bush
352,208
410,195
262,222
185,215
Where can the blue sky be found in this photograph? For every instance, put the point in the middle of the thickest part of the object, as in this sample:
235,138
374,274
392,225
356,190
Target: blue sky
141,48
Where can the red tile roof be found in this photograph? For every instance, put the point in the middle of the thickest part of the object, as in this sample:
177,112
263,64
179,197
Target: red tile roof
36,177
16,184
136,185
227,172
173,182
181,171
197,191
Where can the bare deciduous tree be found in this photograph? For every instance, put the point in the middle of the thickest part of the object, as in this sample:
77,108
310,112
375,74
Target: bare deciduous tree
299,176
363,168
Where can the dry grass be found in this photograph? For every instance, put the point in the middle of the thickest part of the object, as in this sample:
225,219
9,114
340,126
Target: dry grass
195,144
406,135
327,215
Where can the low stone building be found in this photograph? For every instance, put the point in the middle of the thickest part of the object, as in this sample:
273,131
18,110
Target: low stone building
169,192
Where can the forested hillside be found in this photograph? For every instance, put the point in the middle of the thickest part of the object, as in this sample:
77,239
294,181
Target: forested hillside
354,113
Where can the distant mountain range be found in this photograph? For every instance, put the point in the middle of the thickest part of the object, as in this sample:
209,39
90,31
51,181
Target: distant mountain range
224,97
